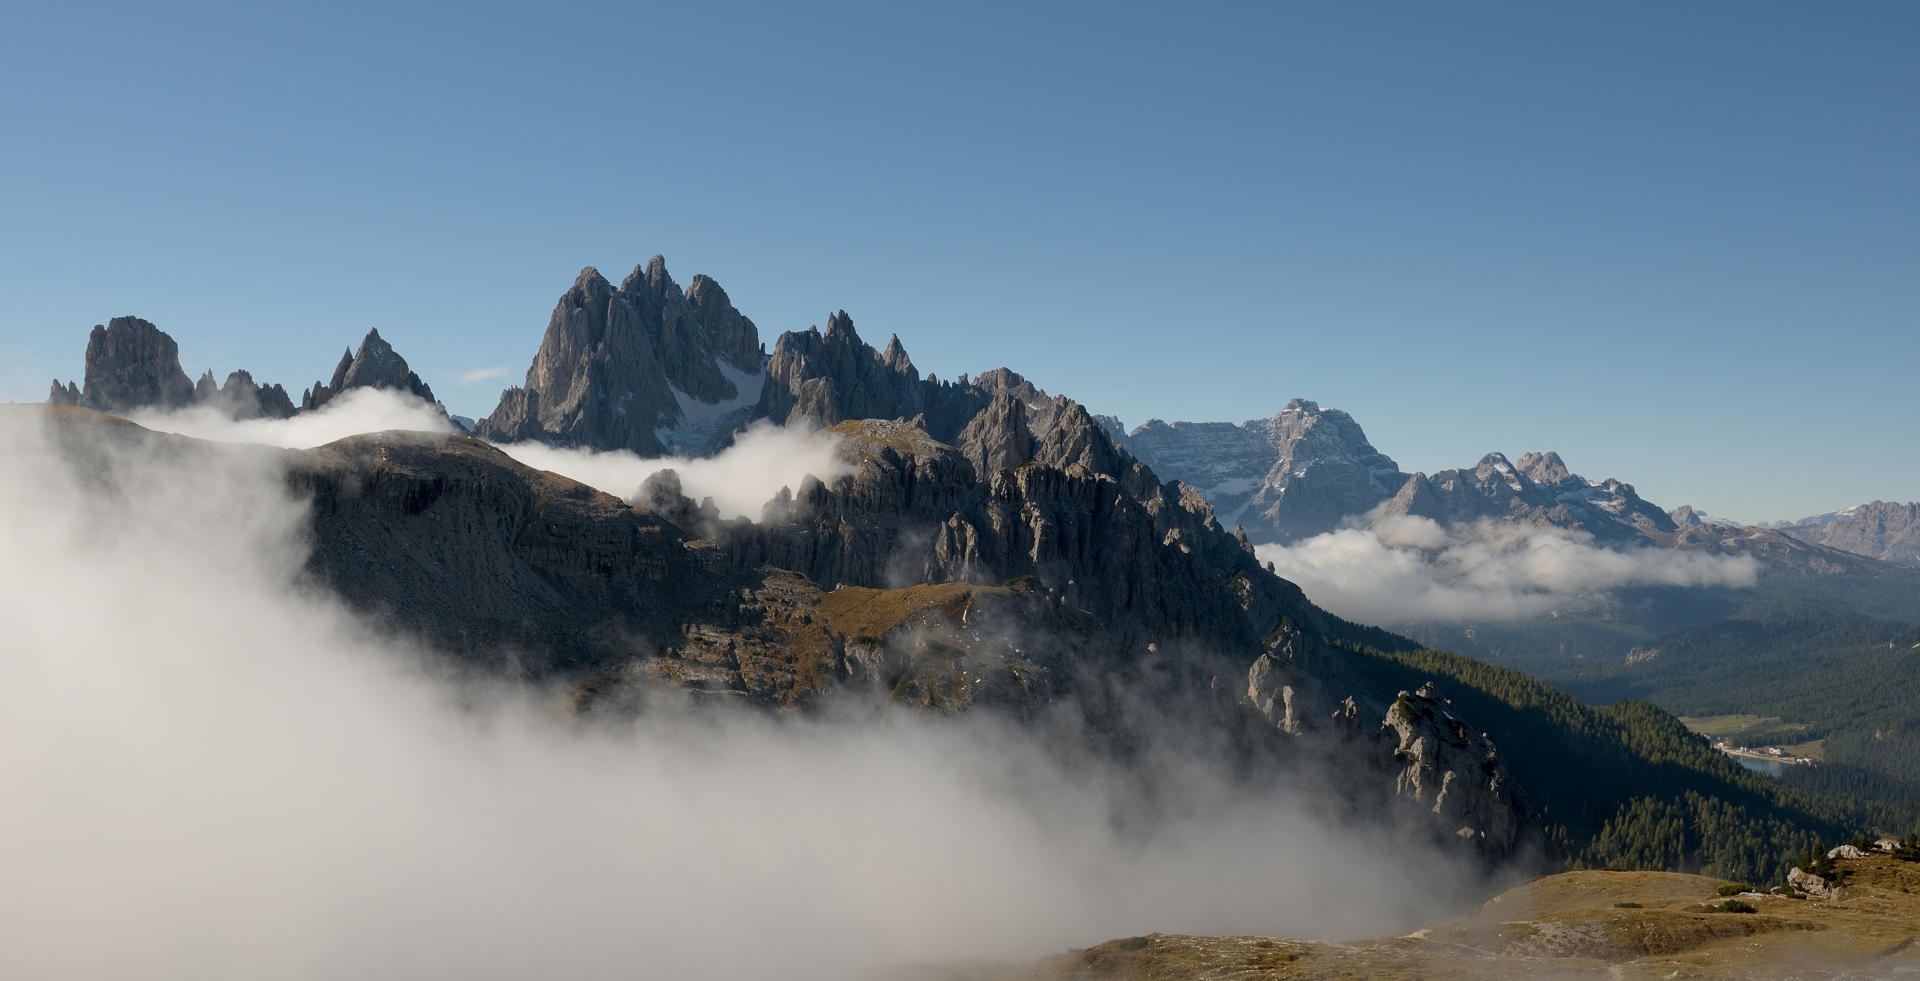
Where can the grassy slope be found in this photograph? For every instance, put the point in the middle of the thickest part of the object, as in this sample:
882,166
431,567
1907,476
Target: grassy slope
1565,926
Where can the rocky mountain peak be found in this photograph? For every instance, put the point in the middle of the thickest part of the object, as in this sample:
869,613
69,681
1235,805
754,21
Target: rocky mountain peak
243,398
1545,468
657,272
895,356
817,378
645,367
376,365
1292,476
131,364
1883,529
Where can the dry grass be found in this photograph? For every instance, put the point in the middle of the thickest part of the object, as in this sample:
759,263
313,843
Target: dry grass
1561,927
856,611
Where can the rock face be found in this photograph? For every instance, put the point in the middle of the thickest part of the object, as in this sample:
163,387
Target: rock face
1457,774
645,368
1326,471
131,364
1540,490
242,398
376,365
1290,477
1886,531
819,378
1815,886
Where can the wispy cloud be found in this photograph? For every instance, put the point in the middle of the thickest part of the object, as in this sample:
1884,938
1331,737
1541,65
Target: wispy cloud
481,374
1407,569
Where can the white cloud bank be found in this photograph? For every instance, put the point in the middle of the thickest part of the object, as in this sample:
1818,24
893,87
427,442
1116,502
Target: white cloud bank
356,411
1408,569
213,773
740,479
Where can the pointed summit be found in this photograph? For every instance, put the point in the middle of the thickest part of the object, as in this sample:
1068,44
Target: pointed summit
377,365
895,356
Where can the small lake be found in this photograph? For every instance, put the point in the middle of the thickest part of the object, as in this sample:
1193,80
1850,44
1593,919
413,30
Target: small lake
1772,768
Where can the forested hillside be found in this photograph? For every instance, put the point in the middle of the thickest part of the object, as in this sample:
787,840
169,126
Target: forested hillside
1627,785
1853,683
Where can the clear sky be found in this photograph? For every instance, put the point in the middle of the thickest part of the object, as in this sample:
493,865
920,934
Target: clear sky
1679,243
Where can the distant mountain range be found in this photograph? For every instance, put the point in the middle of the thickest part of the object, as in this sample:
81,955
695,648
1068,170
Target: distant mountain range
1881,529
1310,470
133,365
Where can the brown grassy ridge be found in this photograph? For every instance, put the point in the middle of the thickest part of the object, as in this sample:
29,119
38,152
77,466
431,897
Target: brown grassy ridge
1568,926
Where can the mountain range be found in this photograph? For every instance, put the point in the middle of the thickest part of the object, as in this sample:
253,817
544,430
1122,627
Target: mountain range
989,547
1310,470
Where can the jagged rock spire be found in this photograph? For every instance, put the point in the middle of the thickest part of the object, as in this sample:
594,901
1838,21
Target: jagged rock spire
377,365
615,365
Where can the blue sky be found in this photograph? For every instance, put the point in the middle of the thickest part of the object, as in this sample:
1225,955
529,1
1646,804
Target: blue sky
1678,243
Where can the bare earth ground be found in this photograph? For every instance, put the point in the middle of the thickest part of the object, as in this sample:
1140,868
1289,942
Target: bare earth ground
1561,926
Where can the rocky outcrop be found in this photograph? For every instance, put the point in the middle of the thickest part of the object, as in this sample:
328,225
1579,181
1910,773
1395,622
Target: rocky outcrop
1883,530
375,365
1283,686
242,398
131,364
1453,772
1293,476
998,438
820,378
643,367
1818,887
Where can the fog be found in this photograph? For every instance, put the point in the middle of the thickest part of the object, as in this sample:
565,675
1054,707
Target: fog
357,410
214,771
1404,569
762,459
741,479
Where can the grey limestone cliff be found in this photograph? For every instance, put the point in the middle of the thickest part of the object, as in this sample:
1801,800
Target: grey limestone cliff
645,367
1883,530
375,365
132,365
1457,774
1293,476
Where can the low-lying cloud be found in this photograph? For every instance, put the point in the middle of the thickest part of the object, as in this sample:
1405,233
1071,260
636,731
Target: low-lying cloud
214,771
1406,569
740,479
355,411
